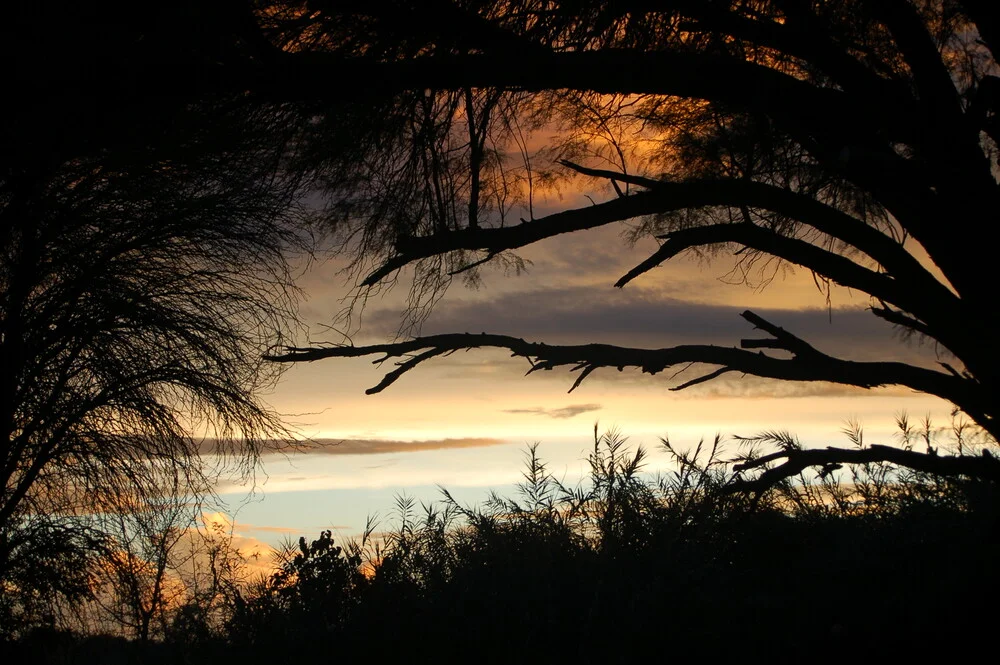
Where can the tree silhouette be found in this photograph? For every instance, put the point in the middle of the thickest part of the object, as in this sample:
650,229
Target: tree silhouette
841,136
143,272
141,553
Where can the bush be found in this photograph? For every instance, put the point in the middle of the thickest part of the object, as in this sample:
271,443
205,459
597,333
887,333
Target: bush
870,557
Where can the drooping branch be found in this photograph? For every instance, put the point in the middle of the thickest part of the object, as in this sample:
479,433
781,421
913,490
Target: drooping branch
949,138
984,467
838,268
924,312
934,81
837,120
664,197
608,71
293,77
834,266
496,240
801,35
805,364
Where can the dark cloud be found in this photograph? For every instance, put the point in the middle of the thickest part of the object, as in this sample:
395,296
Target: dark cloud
753,387
363,446
381,446
646,318
561,413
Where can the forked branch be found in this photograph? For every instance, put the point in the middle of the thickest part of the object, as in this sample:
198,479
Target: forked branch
805,364
665,196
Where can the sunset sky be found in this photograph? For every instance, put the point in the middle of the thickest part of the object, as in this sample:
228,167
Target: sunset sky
463,422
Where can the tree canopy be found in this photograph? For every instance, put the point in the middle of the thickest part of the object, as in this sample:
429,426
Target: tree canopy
846,137
143,272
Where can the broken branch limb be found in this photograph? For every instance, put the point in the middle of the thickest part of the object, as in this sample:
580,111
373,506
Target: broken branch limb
405,367
782,338
473,265
702,379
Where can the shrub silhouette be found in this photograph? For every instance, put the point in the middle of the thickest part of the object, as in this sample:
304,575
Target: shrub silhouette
869,557
311,594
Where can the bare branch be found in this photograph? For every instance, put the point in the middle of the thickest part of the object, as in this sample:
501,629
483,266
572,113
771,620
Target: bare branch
648,183
806,363
985,467
702,379
664,197
838,268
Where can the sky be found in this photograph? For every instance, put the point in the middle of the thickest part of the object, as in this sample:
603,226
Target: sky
463,422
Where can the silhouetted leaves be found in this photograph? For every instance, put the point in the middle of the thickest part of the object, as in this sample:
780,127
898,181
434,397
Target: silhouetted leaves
861,557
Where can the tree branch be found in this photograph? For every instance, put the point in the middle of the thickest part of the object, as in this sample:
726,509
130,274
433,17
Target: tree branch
798,35
648,183
497,240
806,363
665,196
838,268
899,318
698,75
985,467
934,82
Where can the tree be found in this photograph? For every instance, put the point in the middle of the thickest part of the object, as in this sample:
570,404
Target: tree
47,574
138,581
841,136
314,591
144,271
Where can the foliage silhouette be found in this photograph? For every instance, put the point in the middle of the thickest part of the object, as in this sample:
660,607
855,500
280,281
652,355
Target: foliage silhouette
143,272
313,592
143,275
872,557
836,136
48,573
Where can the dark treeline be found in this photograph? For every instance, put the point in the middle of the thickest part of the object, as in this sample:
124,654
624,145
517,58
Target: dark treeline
870,561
